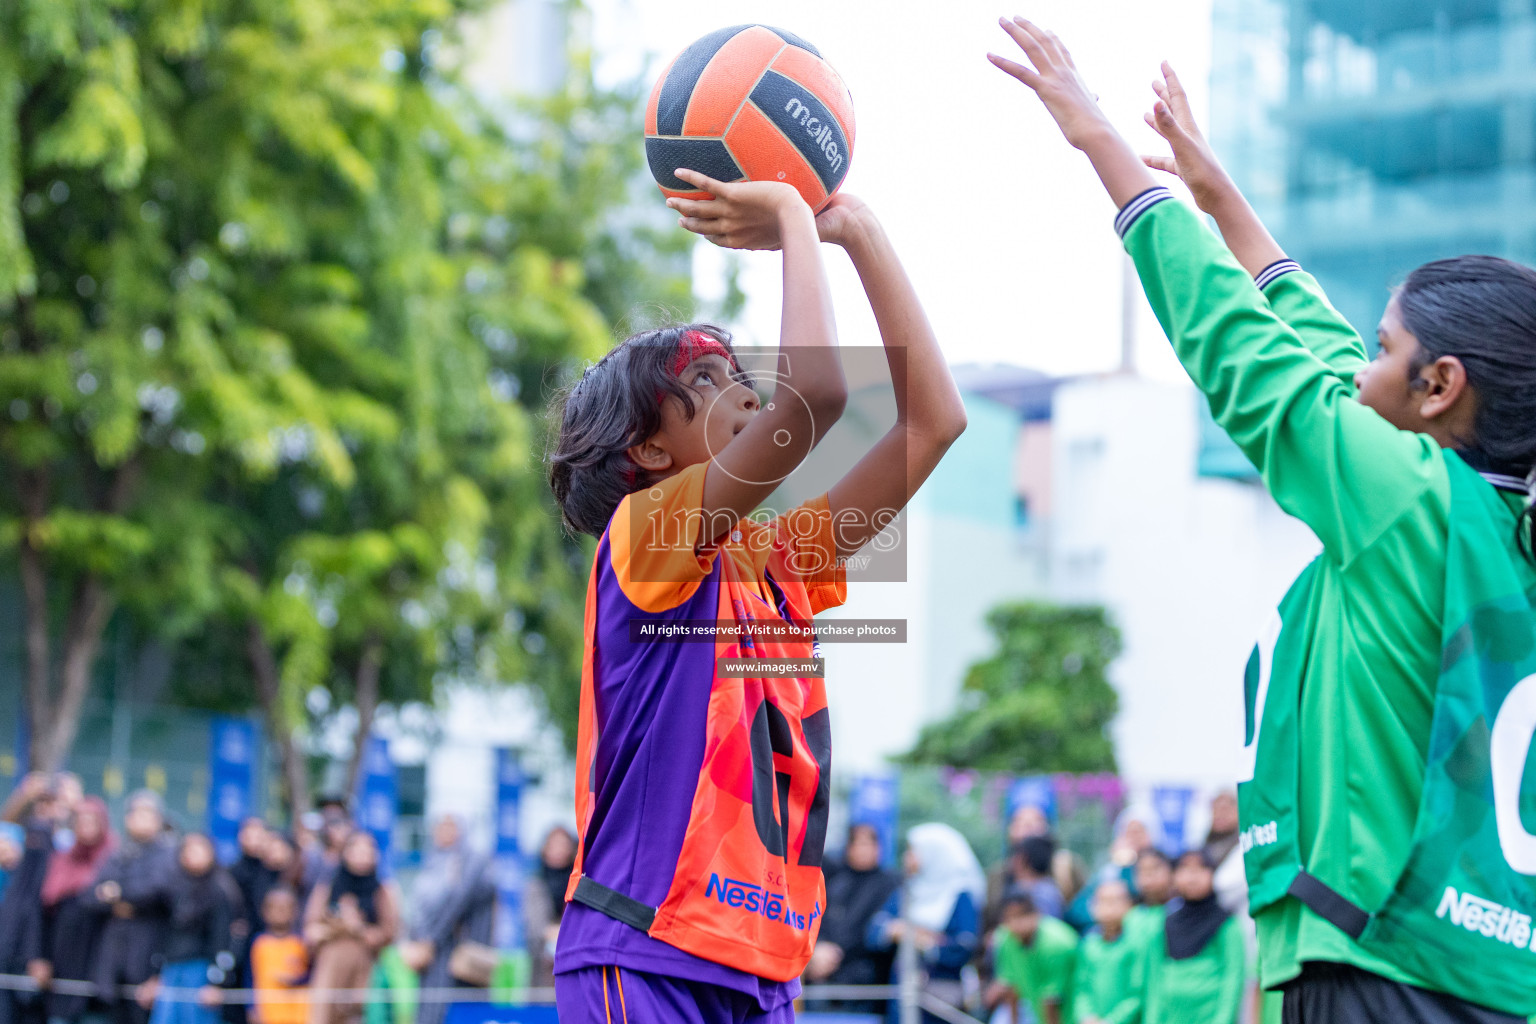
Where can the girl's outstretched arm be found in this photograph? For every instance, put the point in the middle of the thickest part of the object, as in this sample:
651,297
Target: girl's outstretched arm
772,215
1055,79
929,412
1292,293
1213,190
1333,463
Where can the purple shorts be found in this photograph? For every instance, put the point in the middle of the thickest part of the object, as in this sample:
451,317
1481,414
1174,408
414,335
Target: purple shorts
614,995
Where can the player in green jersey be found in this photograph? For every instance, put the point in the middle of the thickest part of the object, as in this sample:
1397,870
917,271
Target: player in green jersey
1392,870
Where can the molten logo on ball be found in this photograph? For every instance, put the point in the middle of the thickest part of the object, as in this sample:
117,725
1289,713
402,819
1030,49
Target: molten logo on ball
822,134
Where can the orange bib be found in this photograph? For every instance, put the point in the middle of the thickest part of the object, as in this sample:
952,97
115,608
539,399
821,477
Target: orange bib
748,890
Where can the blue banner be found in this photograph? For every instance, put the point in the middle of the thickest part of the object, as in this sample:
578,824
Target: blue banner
874,802
1032,791
490,1013
231,782
509,855
376,797
1172,806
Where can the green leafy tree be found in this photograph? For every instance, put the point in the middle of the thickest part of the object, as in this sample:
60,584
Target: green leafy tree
1042,703
279,306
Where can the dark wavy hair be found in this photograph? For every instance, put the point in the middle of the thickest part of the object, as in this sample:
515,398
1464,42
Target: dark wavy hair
615,405
1482,310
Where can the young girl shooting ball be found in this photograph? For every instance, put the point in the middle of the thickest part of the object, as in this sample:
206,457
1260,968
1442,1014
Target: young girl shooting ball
703,785
1392,700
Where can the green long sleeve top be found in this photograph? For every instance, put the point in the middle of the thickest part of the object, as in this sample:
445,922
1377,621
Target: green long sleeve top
1107,983
1277,366
1206,988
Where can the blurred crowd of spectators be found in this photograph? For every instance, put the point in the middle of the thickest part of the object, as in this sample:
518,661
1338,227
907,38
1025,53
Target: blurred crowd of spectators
143,925
1151,934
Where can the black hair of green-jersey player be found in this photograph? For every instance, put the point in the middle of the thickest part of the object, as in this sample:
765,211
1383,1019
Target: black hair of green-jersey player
1482,311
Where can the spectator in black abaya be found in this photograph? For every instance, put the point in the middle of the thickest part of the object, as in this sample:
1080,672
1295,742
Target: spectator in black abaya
250,871
133,894
322,857
254,879
195,954
71,924
281,858
856,891
544,901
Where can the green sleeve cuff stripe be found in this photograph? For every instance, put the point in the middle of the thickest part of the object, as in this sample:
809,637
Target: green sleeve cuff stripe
1132,211
1274,272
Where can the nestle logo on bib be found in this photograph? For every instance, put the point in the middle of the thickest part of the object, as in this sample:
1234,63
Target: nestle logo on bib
820,133
1487,918
754,899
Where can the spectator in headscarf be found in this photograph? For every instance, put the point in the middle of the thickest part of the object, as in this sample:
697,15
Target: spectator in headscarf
196,951
280,856
72,924
1138,828
857,889
1223,848
350,918
1197,969
132,892
332,826
250,871
944,889
544,901
453,902
252,878
1222,838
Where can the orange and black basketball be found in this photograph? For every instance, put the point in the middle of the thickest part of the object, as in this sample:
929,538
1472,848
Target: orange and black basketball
755,103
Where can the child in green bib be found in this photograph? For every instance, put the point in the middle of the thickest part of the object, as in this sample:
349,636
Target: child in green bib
1197,965
1392,697
1111,963
1032,959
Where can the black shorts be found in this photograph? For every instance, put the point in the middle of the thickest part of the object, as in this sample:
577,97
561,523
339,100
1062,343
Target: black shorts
1326,993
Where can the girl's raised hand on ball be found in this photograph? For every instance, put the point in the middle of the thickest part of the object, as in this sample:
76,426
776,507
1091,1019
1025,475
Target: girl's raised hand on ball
742,214
1193,159
1055,79
841,217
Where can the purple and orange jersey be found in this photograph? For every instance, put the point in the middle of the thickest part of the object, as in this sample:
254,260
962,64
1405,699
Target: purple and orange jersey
703,794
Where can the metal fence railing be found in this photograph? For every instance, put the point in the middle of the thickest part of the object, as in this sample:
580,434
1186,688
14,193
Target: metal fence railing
911,998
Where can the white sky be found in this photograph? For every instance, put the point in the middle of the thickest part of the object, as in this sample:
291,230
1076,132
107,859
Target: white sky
1002,226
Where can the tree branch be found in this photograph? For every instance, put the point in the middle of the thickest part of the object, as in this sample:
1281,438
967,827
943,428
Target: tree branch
268,692
90,608
33,489
366,697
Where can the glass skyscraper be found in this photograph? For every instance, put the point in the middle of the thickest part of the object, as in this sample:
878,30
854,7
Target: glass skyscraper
1374,135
